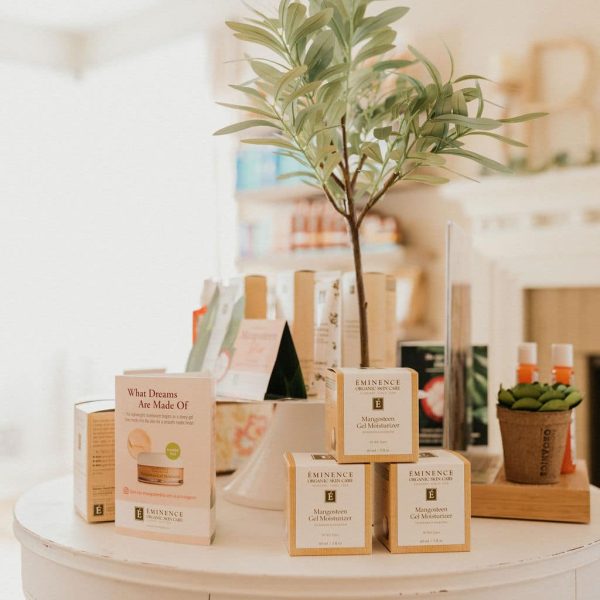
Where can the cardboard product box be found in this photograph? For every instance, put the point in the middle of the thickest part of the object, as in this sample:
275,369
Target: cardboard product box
255,297
94,460
391,322
427,358
424,506
293,300
327,327
371,415
329,506
165,457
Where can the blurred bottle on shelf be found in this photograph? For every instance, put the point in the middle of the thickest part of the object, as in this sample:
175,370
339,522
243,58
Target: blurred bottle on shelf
319,227
311,225
299,228
258,168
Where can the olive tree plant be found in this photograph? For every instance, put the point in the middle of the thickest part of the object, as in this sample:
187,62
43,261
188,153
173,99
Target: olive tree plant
330,92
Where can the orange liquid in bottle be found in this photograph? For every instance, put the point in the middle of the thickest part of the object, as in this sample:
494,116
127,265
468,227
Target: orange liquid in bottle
527,373
564,375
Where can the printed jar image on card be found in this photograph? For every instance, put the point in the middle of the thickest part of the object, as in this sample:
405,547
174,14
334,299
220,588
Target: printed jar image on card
372,415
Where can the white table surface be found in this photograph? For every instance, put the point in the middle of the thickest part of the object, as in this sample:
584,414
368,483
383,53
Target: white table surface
63,557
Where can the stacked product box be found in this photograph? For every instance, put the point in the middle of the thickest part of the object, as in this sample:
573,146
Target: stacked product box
421,500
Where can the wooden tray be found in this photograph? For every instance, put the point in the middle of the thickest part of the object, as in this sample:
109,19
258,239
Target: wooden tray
566,501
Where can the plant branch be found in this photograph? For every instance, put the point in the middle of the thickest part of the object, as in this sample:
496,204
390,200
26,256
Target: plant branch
361,163
338,181
332,201
389,182
346,164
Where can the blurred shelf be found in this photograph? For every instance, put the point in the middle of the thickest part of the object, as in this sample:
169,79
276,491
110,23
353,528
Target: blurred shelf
297,191
278,193
384,259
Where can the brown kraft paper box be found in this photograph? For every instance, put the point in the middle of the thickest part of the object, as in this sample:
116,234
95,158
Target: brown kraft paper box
329,506
94,460
424,506
371,415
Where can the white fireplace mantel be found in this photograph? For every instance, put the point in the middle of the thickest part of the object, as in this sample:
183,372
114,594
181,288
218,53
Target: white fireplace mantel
544,229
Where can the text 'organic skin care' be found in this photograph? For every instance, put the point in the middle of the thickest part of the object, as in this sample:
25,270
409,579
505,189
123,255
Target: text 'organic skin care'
328,506
424,506
371,415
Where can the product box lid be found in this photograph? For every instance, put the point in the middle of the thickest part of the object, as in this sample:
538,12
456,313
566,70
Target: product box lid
309,459
438,456
95,406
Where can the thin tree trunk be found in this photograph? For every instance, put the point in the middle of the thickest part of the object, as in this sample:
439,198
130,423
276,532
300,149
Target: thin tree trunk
360,291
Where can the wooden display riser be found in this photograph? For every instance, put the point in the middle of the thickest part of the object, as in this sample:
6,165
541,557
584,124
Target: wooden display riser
566,501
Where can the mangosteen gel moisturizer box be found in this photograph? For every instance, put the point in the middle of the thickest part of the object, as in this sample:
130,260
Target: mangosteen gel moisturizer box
424,506
329,507
371,415
165,457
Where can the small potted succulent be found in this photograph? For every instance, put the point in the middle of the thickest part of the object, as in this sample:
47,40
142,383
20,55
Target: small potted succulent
534,420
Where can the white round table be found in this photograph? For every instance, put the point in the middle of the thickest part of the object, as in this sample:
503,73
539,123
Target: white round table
64,558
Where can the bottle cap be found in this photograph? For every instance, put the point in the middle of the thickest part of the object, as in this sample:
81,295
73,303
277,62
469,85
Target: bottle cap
528,353
562,355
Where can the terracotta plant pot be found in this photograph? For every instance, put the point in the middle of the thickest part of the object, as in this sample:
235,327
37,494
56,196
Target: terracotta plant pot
534,444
